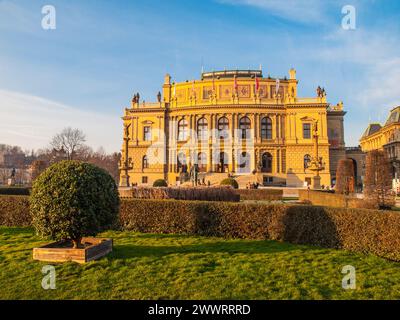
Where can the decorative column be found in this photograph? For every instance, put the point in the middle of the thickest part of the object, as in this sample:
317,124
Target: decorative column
278,119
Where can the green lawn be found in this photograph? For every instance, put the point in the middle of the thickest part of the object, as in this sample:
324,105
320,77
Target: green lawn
149,266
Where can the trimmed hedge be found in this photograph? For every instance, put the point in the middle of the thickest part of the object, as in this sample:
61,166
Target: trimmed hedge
15,191
198,193
230,182
366,231
73,199
260,194
14,211
160,183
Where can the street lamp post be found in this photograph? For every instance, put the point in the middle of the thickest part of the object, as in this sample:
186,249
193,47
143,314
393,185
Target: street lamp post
316,164
127,162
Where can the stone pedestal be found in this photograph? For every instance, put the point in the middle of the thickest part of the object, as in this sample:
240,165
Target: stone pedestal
11,182
316,185
124,182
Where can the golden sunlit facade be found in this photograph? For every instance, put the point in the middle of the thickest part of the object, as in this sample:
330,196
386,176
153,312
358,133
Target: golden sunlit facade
385,138
234,122
377,136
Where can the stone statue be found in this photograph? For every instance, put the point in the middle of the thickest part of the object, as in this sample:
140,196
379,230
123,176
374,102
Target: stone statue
126,131
159,96
319,92
137,97
134,99
13,172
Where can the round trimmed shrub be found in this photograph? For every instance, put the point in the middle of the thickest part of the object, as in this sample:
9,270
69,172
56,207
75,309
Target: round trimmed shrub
73,199
160,183
230,182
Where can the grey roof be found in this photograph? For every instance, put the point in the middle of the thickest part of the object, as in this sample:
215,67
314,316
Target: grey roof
371,129
394,116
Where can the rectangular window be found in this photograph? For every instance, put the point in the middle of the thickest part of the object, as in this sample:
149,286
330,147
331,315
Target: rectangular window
306,130
147,133
283,153
144,180
267,180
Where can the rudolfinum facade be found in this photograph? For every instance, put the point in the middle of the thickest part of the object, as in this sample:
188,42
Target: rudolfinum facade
235,122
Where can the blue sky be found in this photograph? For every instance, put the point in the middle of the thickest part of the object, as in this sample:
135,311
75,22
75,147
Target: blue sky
83,73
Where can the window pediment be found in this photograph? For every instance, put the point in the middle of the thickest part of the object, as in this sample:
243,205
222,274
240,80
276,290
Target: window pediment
307,119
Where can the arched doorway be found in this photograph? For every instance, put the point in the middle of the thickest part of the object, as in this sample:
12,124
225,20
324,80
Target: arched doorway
223,162
266,161
202,161
244,162
182,165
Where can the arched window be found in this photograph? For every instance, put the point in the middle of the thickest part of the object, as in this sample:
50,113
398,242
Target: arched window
307,160
182,130
244,126
266,162
202,161
181,162
244,162
223,162
223,127
145,162
202,129
266,128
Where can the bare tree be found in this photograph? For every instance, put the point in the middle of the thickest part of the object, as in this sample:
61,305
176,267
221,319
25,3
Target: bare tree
38,166
109,162
378,179
68,141
345,177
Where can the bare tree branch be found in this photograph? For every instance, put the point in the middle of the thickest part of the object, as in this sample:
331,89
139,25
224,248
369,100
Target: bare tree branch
69,140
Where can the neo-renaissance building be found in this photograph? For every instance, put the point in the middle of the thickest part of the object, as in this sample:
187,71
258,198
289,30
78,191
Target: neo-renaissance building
237,122
385,137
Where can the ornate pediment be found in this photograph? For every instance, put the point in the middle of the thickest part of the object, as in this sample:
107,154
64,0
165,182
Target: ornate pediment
307,119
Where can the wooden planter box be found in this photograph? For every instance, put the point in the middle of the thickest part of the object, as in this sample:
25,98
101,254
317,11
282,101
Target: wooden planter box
94,248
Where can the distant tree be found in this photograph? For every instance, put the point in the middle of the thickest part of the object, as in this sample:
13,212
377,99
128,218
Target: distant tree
378,179
38,166
345,177
109,162
69,141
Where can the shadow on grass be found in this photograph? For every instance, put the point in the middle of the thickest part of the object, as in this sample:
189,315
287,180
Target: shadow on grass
231,247
16,231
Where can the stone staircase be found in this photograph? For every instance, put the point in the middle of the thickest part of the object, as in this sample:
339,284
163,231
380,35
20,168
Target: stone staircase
216,178
243,180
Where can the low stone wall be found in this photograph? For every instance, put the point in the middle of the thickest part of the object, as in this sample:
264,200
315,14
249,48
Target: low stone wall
197,193
321,198
260,194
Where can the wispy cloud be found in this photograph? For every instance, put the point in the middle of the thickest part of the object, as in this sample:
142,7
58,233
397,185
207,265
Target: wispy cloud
30,122
376,55
305,11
